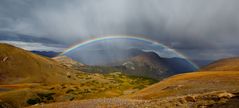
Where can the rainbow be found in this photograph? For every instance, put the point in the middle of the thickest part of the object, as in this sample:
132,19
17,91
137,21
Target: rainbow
124,37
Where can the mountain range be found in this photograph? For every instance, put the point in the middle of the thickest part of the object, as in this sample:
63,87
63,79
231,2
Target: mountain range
49,54
146,64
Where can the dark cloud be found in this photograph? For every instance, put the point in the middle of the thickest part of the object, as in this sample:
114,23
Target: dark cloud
198,28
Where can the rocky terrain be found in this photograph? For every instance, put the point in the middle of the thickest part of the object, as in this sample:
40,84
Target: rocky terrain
219,99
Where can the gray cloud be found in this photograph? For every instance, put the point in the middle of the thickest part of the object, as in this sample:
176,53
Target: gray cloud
34,46
199,26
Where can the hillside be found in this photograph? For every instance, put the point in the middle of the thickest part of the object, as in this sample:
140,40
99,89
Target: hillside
191,83
20,66
89,86
229,64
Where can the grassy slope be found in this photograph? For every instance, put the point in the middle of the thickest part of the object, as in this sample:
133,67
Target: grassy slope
191,83
90,86
199,89
229,64
26,79
20,66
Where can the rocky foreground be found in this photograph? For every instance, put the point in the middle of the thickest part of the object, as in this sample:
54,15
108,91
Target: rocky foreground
219,99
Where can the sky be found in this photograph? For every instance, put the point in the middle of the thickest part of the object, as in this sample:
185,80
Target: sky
199,29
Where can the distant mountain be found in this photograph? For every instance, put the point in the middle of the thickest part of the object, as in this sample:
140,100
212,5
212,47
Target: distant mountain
146,64
179,65
47,53
99,58
150,64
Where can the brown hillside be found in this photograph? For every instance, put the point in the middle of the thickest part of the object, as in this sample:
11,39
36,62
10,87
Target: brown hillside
229,64
20,66
191,83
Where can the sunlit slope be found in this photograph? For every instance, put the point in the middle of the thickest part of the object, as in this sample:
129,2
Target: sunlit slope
220,75
191,90
20,66
191,83
229,64
89,86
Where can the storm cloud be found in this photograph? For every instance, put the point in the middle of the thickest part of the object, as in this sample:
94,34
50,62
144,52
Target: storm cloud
197,28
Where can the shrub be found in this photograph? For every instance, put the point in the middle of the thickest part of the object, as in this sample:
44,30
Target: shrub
70,90
45,97
33,101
